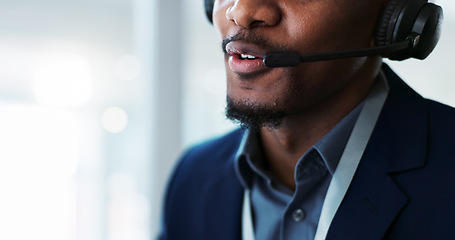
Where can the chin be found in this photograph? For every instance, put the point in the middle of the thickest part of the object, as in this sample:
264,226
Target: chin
253,115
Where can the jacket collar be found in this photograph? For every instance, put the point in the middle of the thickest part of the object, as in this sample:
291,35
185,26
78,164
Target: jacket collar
400,138
397,144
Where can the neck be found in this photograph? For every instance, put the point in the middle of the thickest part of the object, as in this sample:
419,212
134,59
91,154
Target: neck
284,146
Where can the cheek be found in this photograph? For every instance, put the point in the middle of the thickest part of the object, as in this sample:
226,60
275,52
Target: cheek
333,30
312,83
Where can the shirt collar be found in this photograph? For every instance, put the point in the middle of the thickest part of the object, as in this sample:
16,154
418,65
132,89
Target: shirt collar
248,148
330,148
332,145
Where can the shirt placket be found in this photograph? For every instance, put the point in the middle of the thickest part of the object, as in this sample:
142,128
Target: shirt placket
309,172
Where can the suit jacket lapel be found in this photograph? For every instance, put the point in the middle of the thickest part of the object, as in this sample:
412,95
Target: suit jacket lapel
369,207
397,144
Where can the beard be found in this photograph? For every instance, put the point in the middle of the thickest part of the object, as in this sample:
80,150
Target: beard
253,116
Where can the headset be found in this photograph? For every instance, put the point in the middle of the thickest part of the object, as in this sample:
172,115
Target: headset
406,29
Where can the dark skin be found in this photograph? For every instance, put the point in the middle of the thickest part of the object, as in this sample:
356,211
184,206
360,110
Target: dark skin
314,96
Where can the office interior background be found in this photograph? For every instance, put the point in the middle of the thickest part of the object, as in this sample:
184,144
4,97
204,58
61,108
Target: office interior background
98,98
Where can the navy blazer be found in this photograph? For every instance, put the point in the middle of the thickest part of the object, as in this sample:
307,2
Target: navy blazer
403,188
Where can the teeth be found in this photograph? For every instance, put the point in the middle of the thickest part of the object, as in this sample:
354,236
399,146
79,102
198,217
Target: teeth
246,56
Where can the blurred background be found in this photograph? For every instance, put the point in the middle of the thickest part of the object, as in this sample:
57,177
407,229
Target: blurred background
98,98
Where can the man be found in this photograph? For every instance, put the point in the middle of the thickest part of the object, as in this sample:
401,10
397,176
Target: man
334,149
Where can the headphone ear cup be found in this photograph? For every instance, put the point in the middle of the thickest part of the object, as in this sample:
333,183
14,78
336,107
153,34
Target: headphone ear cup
402,19
428,27
386,22
208,4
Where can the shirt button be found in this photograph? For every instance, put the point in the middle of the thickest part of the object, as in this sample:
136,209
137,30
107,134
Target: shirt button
298,215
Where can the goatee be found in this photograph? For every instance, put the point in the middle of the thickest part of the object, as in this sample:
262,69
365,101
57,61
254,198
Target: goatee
253,116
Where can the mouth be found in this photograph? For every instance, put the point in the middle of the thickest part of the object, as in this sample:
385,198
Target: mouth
245,58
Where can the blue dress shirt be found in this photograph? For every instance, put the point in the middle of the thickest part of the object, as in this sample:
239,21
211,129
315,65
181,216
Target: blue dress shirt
279,212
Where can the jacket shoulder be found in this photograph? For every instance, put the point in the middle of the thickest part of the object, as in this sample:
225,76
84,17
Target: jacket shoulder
204,187
441,130
214,151
207,159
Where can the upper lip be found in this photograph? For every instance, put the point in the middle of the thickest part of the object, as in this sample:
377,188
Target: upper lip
239,47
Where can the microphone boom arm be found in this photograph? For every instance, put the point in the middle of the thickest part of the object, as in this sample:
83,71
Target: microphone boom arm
291,59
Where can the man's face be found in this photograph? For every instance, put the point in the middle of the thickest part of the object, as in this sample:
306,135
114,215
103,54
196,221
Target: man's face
252,28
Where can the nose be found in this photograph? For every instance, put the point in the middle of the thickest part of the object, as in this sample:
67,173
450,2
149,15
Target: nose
254,13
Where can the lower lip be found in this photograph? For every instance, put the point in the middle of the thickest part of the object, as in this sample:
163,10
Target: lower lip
240,66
